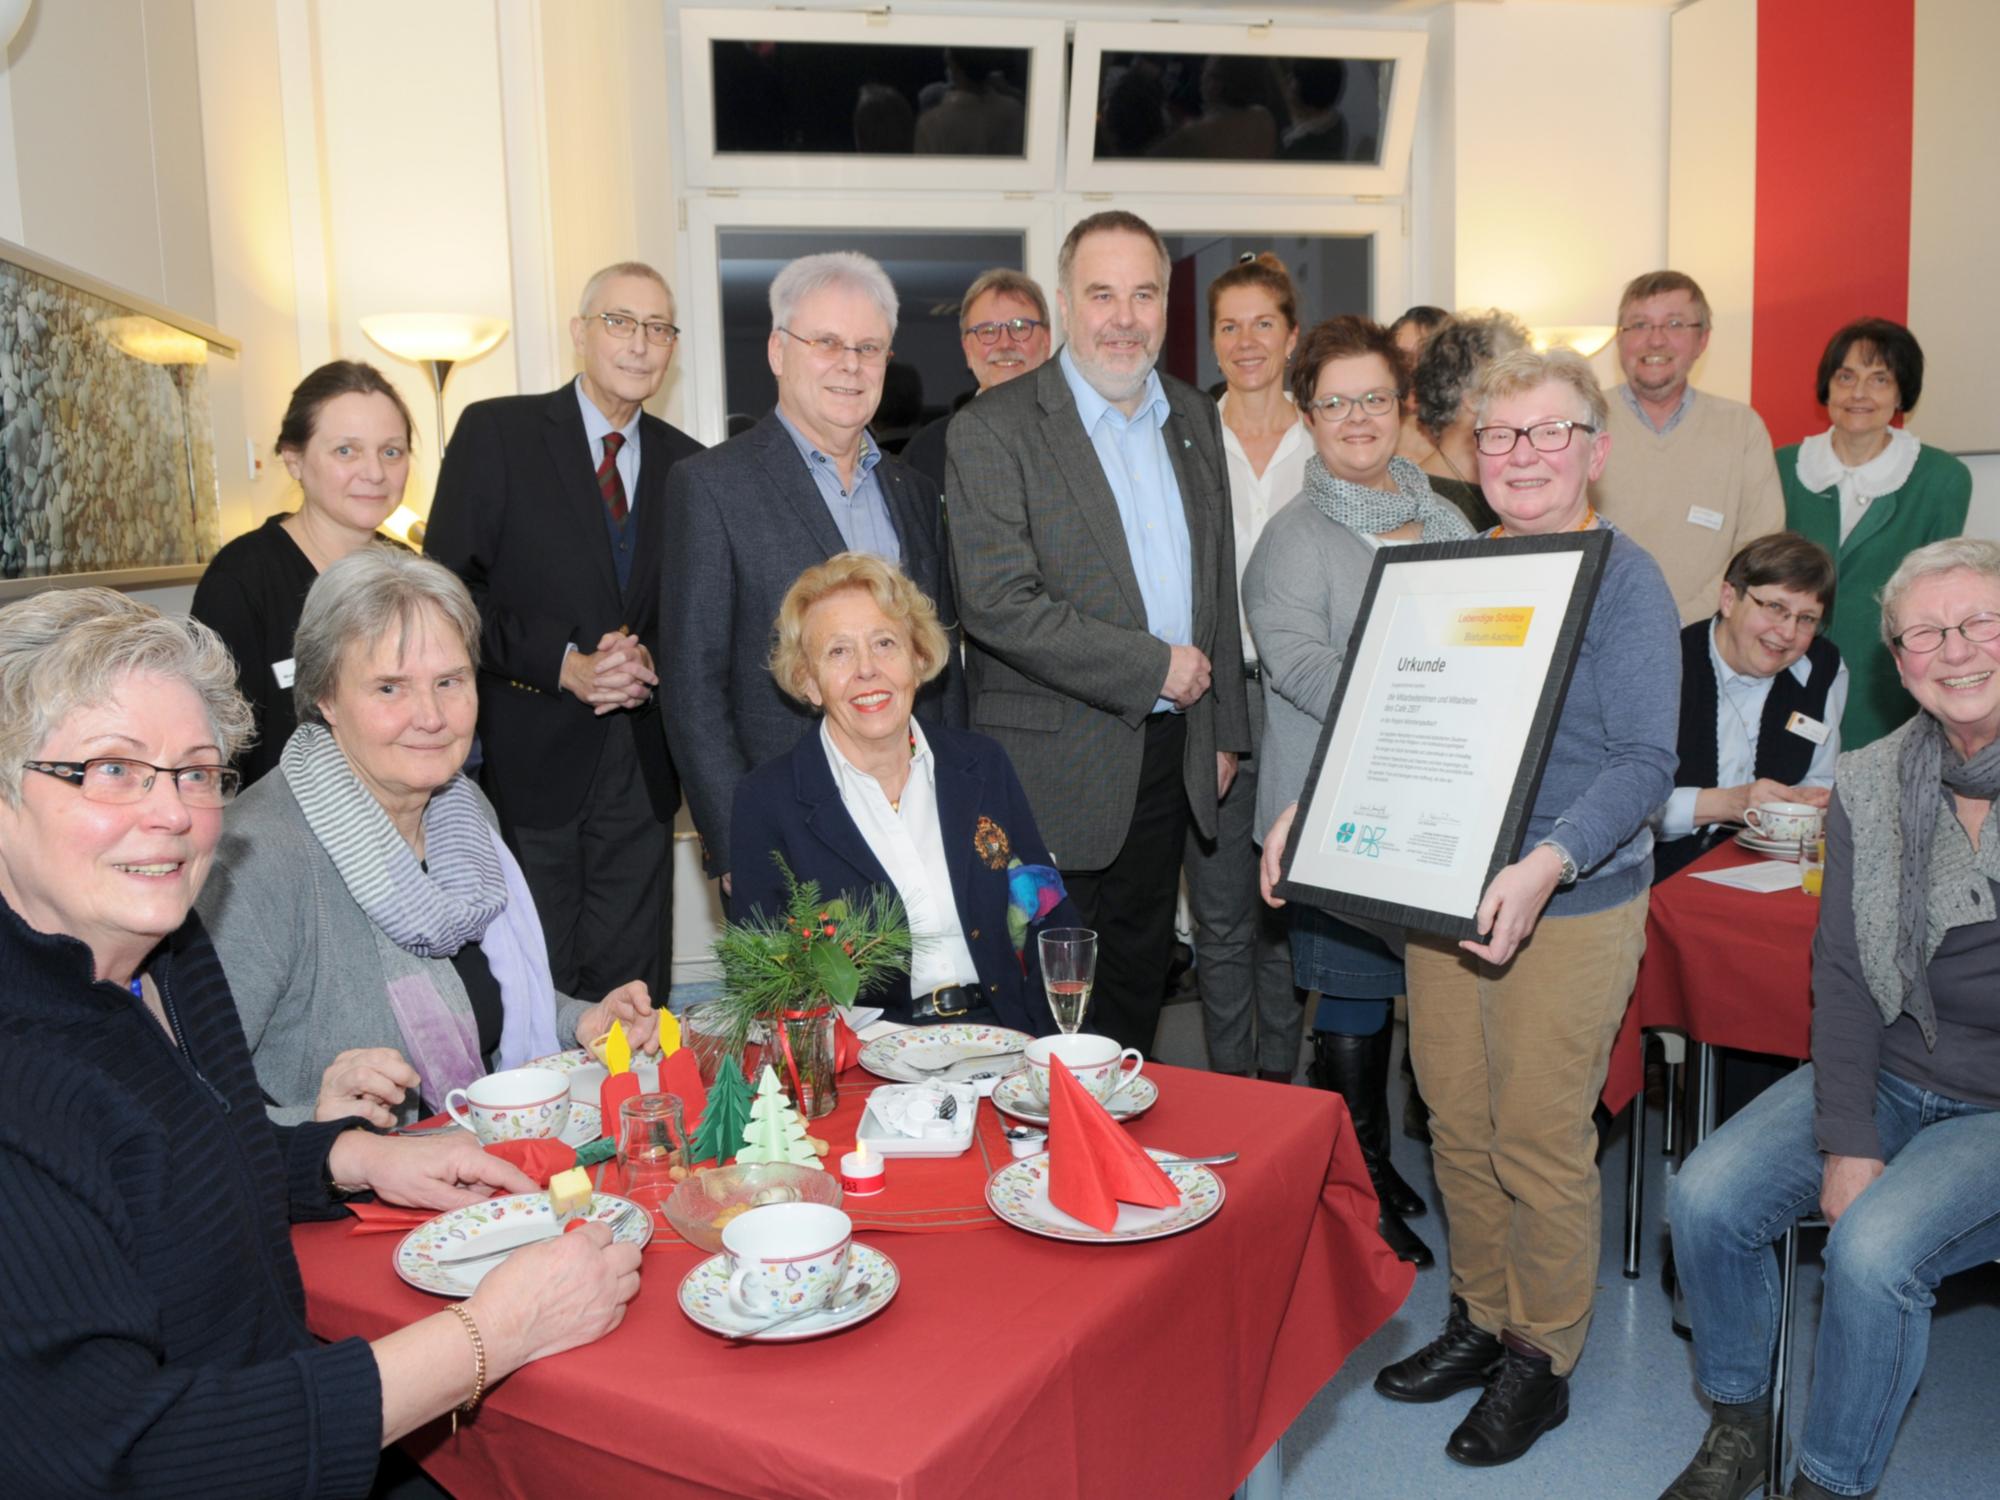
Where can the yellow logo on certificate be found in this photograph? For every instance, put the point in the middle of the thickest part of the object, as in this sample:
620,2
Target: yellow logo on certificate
1492,625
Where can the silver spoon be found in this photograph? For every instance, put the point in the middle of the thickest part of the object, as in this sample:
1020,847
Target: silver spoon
840,1302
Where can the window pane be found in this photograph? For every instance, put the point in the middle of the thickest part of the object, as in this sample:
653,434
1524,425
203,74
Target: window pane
1330,275
1217,107
931,270
874,99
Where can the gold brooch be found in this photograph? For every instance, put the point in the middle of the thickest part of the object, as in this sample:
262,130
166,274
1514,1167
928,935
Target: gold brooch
990,839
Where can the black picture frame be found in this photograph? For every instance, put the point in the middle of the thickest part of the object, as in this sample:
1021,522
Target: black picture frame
1481,559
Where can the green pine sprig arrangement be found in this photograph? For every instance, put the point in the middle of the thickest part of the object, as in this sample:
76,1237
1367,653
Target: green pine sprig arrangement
840,948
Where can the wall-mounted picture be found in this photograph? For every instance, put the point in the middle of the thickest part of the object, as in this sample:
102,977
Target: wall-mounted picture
107,443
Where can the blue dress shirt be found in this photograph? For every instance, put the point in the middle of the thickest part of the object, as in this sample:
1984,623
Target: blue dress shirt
1132,452
860,513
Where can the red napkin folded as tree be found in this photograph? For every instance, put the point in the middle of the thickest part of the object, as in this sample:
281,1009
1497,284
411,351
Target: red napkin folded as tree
1093,1164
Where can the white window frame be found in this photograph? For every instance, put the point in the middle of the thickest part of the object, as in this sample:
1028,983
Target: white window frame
1085,174
708,217
1035,171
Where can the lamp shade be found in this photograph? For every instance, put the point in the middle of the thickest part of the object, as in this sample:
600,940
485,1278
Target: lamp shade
450,337
1585,338
155,342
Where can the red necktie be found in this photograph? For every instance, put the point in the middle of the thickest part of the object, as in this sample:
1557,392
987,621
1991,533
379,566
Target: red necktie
608,480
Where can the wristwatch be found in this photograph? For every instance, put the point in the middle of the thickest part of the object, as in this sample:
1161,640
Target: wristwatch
1568,876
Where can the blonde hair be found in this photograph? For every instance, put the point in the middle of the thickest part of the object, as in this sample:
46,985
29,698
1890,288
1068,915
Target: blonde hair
1525,369
893,593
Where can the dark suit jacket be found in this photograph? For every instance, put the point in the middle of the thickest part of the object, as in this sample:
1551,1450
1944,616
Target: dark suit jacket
791,806
1060,667
744,520
519,517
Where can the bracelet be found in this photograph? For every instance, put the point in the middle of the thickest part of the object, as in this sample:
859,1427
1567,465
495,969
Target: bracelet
479,1361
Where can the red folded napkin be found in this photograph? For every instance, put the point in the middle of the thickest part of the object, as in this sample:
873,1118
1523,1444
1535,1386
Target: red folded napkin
681,1075
614,1092
540,1160
1093,1164
846,1045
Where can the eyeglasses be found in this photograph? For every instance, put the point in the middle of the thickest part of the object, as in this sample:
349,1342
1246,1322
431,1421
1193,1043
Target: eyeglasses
110,779
829,348
1017,329
1673,328
1781,616
1921,640
1340,408
658,330
1543,437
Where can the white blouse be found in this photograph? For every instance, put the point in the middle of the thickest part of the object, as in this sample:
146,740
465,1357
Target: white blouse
1254,498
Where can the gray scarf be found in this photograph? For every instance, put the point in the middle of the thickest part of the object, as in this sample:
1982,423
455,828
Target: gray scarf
1372,512
1927,762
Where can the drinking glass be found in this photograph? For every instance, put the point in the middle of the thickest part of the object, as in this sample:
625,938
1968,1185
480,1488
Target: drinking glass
1812,864
1069,968
652,1143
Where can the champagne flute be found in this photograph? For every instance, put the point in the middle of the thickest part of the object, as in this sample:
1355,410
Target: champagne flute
1069,968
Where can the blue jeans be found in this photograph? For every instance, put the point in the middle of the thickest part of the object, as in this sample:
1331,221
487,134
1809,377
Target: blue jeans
1933,1211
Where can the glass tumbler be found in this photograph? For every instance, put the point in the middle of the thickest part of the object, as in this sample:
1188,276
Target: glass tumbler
652,1148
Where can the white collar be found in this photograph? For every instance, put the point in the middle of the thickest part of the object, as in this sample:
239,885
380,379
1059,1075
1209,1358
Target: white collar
1801,669
1820,467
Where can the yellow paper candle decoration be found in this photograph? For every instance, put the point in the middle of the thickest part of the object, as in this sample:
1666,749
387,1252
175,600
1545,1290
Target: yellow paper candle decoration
617,1051
670,1034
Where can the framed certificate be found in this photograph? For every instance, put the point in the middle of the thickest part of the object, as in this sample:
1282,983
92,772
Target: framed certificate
1440,727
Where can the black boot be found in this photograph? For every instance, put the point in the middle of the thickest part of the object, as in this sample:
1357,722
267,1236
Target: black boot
1456,1360
1734,1457
1804,1489
1524,1399
1357,1069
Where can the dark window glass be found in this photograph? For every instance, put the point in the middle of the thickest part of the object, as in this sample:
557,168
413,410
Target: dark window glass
1192,107
931,270
848,99
1330,275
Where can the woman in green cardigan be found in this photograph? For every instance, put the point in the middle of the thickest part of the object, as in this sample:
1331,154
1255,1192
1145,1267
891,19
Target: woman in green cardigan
1870,494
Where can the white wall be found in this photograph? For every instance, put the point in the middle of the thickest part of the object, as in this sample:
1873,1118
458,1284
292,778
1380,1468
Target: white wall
1712,181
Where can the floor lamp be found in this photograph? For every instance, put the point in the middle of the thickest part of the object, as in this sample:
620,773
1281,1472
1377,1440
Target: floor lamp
437,341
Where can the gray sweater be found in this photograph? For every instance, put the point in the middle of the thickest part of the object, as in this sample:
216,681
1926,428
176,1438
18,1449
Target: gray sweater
1614,753
301,955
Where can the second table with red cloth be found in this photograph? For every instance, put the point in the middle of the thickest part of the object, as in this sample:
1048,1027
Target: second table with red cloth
1161,1368
1731,968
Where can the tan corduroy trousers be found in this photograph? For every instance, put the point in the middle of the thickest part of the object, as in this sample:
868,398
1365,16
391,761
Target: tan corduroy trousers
1511,1061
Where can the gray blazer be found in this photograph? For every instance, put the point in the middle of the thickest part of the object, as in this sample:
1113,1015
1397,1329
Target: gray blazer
300,955
1059,664
743,520
1301,589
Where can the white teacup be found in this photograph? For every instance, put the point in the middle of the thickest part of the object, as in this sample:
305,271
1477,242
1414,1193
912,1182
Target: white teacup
1097,1062
786,1258
521,1104
1785,822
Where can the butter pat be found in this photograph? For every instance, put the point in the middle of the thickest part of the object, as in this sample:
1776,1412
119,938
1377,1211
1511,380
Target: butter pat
569,1192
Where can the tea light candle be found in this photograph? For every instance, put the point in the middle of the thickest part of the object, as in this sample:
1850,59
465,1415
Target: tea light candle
862,1173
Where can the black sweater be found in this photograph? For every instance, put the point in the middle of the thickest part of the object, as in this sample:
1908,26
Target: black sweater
152,1320
251,595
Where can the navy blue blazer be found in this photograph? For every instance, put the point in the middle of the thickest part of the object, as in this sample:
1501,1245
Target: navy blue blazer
791,806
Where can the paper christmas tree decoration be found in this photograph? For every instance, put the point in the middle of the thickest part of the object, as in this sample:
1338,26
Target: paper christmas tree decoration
670,1034
775,1131
1093,1164
724,1115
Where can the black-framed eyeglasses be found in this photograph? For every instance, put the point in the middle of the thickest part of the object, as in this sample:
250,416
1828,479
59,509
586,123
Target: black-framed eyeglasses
1340,408
1543,437
1780,615
1020,330
829,348
114,779
1672,327
1921,640
619,326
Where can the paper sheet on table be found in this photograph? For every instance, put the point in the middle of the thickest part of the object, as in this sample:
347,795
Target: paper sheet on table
1764,877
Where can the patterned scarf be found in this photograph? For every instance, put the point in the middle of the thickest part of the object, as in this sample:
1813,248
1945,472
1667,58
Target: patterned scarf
1372,512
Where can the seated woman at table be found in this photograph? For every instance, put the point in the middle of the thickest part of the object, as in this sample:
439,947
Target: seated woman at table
1762,691
152,1322
1893,1129
1301,588
345,438
1870,493
875,798
378,935
1512,1034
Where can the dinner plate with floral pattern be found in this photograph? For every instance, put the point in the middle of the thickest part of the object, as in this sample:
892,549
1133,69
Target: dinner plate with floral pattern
704,1297
1015,1096
934,1046
456,1230
1019,1193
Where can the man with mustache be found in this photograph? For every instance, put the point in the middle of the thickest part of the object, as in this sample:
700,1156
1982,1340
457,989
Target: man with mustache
1003,324
1090,530
1692,477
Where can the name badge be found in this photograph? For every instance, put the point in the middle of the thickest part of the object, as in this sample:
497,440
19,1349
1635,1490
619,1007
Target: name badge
1701,515
282,670
1805,728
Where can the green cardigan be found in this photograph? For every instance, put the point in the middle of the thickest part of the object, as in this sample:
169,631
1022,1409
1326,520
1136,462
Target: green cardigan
1930,506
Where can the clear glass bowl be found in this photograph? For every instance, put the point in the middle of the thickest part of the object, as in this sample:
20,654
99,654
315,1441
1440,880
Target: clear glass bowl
703,1205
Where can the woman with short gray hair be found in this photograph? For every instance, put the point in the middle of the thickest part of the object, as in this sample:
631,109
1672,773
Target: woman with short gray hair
378,935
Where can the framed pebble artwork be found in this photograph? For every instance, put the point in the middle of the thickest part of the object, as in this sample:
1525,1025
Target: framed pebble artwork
107,443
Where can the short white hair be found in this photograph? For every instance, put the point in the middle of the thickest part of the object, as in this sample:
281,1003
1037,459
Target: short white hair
1974,554
595,286
815,273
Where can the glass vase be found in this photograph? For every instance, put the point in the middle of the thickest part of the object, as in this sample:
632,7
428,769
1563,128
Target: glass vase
801,1049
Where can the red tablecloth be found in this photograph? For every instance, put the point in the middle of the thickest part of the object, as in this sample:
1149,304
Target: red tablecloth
1728,967
1006,1364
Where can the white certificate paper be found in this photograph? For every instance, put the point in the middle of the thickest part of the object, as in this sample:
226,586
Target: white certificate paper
1425,762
